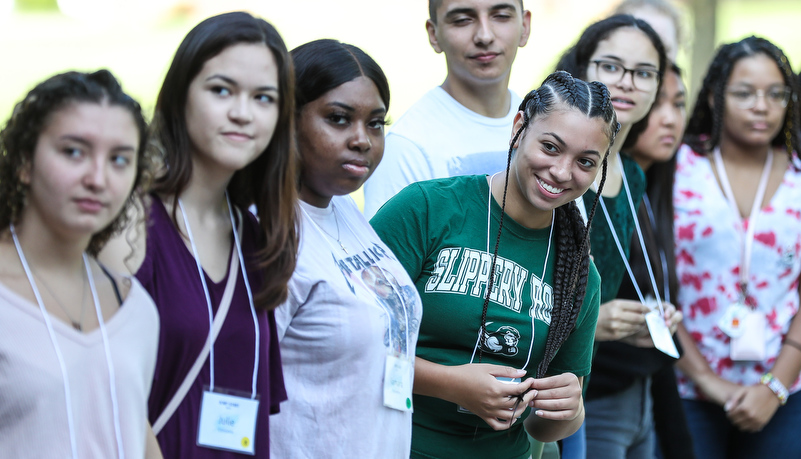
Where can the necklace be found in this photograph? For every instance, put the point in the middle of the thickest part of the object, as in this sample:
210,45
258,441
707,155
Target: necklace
334,211
76,324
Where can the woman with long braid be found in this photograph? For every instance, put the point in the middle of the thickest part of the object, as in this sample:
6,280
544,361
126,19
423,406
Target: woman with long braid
534,317
737,201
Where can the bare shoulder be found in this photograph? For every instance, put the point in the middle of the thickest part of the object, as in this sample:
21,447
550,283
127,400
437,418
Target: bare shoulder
125,252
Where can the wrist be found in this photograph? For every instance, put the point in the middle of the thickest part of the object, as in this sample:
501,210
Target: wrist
776,386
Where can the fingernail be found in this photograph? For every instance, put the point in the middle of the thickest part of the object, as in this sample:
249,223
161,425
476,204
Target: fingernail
539,413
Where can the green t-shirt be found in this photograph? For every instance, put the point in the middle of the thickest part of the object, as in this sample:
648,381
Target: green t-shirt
438,231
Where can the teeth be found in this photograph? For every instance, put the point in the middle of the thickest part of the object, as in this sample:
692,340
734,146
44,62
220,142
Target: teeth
549,188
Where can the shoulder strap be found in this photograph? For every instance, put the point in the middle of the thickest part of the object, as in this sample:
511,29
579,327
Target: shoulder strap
222,312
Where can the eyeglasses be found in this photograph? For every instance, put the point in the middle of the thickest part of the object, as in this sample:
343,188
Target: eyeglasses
643,79
745,99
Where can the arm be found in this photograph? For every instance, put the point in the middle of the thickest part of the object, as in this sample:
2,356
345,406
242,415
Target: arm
403,163
152,449
473,386
695,366
559,407
752,407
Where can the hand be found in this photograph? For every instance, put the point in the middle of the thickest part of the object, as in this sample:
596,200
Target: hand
643,337
558,397
673,317
476,389
618,319
751,407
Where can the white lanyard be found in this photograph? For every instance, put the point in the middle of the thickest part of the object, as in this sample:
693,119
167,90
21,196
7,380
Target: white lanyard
384,307
542,278
622,252
748,242
238,245
60,357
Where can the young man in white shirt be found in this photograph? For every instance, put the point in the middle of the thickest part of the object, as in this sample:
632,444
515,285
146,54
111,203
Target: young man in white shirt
463,126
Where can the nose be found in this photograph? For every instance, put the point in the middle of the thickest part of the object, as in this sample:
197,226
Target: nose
484,34
760,102
360,140
670,116
627,80
241,111
561,169
95,176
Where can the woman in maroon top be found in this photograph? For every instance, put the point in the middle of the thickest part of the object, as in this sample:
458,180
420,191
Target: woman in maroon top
223,123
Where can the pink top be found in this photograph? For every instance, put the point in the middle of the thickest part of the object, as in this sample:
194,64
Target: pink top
709,235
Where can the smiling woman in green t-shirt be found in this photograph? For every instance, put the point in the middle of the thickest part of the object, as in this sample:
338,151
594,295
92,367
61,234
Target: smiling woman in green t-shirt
535,317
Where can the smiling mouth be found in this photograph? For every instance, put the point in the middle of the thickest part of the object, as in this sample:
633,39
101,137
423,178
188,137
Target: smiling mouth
549,188
619,101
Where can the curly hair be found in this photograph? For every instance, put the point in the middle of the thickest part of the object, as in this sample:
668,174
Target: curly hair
31,116
706,122
572,238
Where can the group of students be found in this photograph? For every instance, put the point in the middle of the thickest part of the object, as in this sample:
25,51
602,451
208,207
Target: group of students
244,305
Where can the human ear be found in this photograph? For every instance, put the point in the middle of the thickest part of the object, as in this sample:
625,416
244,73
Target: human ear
431,29
518,123
24,172
526,29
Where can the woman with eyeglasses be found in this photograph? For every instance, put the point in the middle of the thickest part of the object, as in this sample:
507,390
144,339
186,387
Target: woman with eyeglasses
627,55
737,200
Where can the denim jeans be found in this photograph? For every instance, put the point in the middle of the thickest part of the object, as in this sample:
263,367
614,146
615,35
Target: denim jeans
714,437
575,446
620,426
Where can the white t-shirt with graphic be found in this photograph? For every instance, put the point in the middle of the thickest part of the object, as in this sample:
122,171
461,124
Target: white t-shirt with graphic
350,304
436,138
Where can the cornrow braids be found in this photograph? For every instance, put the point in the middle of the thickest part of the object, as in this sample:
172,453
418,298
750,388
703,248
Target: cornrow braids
706,122
30,118
572,237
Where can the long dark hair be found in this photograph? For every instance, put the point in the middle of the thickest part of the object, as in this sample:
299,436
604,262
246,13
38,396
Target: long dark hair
269,181
576,60
21,133
706,123
572,238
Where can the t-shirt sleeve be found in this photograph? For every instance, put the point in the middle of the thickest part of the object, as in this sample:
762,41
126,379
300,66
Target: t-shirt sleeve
575,355
402,224
403,163
298,292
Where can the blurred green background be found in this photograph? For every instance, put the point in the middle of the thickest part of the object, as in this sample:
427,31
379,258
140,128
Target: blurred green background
136,39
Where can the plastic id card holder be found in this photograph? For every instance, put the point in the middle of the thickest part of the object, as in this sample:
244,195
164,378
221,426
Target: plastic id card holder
227,422
398,371
660,334
750,345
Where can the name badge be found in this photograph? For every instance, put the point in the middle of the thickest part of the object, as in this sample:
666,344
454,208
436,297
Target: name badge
660,334
398,371
750,345
732,320
227,422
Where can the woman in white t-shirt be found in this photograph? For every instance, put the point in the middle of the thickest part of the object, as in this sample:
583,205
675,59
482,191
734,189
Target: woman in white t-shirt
77,342
349,327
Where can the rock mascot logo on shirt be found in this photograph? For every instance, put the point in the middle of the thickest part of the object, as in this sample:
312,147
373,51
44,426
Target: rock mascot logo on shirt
502,341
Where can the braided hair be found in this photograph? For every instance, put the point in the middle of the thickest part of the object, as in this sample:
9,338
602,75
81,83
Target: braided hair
706,122
558,91
30,118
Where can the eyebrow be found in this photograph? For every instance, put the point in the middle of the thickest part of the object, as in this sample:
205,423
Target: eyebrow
559,139
86,143
233,82
473,11
347,107
615,58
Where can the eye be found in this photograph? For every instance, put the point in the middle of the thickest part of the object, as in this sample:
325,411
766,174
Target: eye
461,20
502,16
680,104
220,90
586,162
265,98
120,161
377,123
777,94
645,74
610,67
741,94
549,147
72,152
339,118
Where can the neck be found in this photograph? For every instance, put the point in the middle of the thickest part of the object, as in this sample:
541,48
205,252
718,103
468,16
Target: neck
308,196
47,251
491,99
517,206
734,152
205,194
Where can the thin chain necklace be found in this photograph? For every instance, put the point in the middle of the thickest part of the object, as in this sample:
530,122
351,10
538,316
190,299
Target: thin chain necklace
76,324
336,220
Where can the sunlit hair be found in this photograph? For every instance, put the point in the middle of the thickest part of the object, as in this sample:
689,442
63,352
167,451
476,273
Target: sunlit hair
663,7
576,60
706,122
559,91
31,116
269,181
